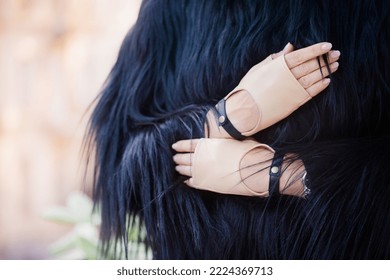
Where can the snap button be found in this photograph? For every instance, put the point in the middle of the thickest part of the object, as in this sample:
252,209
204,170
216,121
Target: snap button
274,169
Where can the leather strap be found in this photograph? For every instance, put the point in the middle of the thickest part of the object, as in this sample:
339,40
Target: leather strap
224,121
274,174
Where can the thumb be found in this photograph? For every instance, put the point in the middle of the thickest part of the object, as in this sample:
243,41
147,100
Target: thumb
287,49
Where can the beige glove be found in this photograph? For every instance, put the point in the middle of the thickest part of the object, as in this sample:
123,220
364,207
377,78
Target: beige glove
272,90
237,167
217,166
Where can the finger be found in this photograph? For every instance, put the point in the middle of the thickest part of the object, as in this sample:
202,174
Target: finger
183,159
312,65
185,145
312,78
184,170
297,57
287,49
318,87
190,183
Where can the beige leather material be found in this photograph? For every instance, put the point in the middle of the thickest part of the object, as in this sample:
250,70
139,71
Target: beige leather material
242,112
261,63
274,89
216,166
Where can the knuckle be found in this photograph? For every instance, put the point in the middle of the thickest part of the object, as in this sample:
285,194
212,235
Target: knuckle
312,91
303,68
290,57
298,58
305,82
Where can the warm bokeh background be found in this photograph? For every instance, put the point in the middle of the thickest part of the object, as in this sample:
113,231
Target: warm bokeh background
54,58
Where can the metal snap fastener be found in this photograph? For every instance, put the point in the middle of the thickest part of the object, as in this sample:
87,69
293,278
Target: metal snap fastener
274,169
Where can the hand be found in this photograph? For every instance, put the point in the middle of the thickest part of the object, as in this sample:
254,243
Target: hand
234,167
304,65
243,111
307,65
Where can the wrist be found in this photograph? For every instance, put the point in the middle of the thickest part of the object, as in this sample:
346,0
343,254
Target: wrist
242,111
291,180
212,128
254,169
243,115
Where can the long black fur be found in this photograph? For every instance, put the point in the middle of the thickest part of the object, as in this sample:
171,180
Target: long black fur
177,61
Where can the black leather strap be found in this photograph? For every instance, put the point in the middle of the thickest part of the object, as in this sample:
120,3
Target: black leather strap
224,121
274,174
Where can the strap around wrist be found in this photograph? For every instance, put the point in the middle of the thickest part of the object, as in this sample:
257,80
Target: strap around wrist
275,173
224,121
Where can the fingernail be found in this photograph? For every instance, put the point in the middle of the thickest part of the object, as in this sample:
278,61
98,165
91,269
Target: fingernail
326,81
335,54
286,46
326,46
174,146
335,65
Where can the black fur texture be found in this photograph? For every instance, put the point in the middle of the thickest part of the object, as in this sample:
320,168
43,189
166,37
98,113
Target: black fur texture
177,61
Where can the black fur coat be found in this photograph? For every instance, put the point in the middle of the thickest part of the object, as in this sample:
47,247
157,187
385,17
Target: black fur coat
177,61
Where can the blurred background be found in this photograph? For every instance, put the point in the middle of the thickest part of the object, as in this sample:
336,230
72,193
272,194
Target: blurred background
54,58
